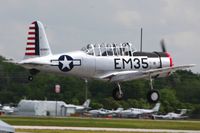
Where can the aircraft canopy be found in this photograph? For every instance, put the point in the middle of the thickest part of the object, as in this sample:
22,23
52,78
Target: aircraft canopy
124,49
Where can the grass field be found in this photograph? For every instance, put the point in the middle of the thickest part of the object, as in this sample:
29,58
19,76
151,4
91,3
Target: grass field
112,123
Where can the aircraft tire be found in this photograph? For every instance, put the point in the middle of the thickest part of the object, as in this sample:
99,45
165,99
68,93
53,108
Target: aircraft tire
30,78
116,94
153,96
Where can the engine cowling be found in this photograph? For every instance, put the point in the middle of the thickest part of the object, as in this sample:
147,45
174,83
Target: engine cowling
165,61
157,60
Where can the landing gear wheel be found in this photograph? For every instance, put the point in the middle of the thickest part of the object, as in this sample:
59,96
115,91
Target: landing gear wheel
153,96
30,78
117,95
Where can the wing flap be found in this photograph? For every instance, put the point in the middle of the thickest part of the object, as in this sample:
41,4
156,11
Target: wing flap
154,72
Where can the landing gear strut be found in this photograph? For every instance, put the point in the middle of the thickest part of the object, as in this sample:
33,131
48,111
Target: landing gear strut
153,95
32,73
117,92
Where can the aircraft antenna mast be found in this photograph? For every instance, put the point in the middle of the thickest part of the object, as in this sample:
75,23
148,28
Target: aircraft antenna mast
141,41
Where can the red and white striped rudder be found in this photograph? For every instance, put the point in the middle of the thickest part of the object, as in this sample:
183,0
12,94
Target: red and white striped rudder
37,43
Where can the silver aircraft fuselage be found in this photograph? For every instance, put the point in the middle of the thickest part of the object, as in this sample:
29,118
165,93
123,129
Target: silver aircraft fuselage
80,64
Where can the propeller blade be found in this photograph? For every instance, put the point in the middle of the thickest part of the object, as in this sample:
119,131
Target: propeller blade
162,43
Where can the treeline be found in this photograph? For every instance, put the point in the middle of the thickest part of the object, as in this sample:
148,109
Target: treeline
180,90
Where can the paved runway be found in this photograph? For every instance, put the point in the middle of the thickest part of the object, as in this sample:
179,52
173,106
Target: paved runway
107,129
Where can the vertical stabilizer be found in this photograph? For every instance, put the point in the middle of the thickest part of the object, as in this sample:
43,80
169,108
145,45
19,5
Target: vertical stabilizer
156,107
86,103
37,42
183,111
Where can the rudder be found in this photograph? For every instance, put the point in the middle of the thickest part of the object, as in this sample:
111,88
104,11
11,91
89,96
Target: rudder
86,103
156,107
37,42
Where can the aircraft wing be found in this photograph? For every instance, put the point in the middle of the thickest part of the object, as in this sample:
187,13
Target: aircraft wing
159,116
184,117
154,72
131,75
10,61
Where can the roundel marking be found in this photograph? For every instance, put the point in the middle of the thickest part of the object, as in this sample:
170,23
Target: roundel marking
65,63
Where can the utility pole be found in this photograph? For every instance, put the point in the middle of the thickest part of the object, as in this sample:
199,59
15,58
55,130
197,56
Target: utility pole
86,89
57,91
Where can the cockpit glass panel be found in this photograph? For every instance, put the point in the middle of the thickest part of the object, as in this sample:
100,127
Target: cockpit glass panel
110,50
90,49
104,51
123,49
97,50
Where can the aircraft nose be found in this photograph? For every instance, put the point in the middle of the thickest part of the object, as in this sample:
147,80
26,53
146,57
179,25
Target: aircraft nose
170,59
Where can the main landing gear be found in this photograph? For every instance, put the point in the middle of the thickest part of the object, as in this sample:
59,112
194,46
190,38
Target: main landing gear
32,73
117,92
153,95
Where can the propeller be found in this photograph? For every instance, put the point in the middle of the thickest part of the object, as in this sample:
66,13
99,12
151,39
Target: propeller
162,43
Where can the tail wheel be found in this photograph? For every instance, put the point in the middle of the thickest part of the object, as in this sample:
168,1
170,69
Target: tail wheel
117,95
32,72
153,96
30,78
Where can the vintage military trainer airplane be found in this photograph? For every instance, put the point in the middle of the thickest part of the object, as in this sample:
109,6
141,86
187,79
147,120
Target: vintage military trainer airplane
112,62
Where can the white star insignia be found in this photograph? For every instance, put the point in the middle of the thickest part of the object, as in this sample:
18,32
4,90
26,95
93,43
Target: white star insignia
65,63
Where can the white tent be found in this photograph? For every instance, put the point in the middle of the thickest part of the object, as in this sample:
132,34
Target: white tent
5,128
44,108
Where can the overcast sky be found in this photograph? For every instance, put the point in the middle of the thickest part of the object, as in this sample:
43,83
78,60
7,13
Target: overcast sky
72,24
